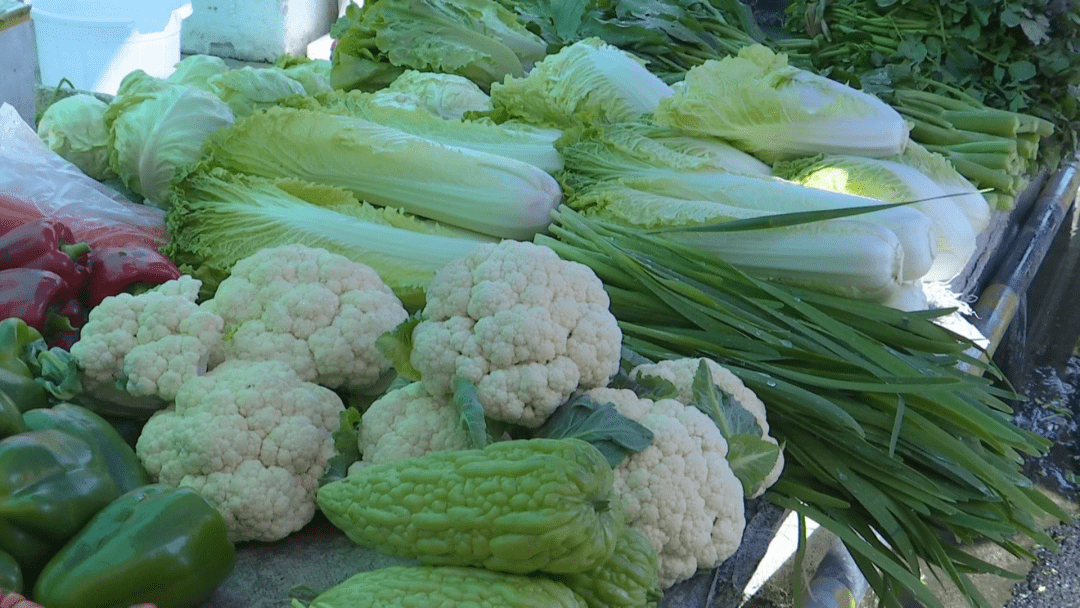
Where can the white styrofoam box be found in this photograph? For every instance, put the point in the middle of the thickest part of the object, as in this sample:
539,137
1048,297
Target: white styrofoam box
95,43
18,62
255,30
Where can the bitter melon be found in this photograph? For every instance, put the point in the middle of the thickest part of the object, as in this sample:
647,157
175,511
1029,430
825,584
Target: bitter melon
514,506
629,579
445,587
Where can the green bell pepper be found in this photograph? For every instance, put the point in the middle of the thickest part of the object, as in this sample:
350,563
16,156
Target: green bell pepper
51,484
10,574
124,466
24,391
11,420
157,544
16,338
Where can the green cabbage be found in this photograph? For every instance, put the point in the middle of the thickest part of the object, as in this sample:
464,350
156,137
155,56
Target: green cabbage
74,128
589,81
775,111
196,70
157,130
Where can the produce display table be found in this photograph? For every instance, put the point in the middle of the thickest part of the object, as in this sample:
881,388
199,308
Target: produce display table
1013,251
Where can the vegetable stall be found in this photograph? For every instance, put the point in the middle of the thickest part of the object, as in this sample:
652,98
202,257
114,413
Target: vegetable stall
566,305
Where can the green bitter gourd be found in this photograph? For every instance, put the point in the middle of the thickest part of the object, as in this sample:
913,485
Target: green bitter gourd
629,579
445,587
514,506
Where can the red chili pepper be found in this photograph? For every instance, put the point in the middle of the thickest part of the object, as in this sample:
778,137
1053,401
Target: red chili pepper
32,295
46,245
113,270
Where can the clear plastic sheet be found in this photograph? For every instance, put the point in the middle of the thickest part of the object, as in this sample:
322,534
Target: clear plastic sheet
36,182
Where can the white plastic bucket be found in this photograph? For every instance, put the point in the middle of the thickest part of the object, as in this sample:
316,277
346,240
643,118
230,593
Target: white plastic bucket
95,52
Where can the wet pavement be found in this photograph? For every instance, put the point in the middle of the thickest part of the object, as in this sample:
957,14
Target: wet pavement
1053,411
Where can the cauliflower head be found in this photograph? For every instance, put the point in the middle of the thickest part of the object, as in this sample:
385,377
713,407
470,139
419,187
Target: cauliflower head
149,343
679,492
407,422
525,326
680,373
253,438
317,311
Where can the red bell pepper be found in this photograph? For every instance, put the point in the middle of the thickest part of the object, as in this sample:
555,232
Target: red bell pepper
114,270
45,245
33,295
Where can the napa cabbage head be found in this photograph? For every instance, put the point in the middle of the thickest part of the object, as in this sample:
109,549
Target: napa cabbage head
409,113
157,129
217,218
478,39
385,166
894,182
640,155
775,111
447,96
847,256
962,192
587,82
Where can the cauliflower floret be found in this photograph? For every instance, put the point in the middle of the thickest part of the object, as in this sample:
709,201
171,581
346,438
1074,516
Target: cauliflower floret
680,491
152,342
253,438
681,372
408,422
317,311
525,326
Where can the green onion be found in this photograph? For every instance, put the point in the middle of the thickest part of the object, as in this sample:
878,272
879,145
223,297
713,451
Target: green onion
890,445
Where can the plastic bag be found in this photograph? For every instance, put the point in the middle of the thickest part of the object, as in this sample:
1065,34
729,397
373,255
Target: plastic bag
36,182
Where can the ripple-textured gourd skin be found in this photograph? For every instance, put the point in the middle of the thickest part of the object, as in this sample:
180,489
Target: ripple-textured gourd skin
630,579
446,587
515,506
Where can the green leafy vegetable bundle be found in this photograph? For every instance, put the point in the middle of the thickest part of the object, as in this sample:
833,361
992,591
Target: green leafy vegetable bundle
890,444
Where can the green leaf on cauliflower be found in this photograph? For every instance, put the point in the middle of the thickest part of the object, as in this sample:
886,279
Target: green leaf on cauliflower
751,457
471,412
726,411
397,345
346,447
581,417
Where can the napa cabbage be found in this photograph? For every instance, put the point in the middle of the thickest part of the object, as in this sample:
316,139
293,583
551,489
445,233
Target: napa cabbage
848,257
894,182
631,154
586,82
385,166
447,96
775,111
962,192
478,39
217,218
407,112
